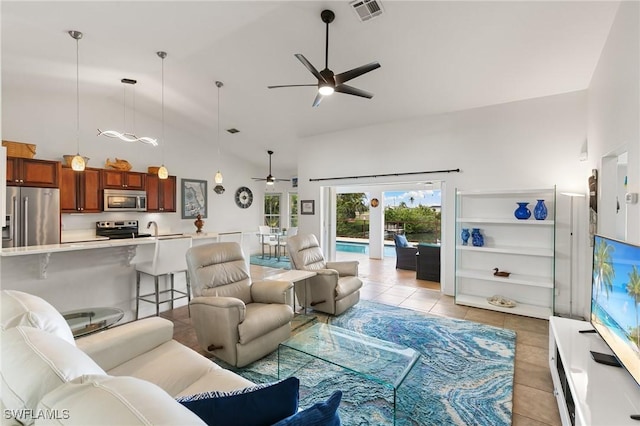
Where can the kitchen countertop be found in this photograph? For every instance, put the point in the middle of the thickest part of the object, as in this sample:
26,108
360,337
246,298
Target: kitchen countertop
95,243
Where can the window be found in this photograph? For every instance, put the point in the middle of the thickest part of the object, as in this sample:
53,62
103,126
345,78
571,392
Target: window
293,209
272,210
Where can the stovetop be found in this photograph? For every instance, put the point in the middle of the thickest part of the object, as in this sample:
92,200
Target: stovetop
119,229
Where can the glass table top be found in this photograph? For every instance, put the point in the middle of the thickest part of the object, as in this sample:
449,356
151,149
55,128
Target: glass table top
89,320
378,360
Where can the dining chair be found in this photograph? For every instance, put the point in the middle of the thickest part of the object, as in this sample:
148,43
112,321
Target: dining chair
267,239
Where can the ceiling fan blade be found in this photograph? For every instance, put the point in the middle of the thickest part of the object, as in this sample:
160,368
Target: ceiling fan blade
282,180
343,77
291,85
258,178
310,67
350,90
317,100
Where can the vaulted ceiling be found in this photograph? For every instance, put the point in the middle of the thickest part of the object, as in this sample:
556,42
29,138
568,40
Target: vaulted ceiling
435,57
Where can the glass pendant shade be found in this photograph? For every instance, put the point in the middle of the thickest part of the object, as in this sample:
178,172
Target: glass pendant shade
77,163
163,173
218,177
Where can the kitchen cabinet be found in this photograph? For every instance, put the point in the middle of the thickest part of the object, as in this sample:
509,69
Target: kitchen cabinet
80,191
32,172
117,179
161,194
524,248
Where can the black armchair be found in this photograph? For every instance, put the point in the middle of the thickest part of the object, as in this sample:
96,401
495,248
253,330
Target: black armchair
405,253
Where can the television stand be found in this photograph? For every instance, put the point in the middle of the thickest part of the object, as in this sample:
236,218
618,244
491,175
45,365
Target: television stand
588,393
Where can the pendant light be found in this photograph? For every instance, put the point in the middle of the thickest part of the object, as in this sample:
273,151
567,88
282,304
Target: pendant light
127,136
219,189
163,173
77,163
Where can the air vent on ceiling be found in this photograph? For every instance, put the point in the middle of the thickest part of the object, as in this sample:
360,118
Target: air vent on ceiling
366,9
233,130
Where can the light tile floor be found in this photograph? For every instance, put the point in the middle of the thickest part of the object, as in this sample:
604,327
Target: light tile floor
533,401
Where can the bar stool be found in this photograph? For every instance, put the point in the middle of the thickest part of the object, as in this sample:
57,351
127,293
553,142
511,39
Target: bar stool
169,258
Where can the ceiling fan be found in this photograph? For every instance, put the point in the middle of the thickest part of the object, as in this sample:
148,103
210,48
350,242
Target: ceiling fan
270,179
328,82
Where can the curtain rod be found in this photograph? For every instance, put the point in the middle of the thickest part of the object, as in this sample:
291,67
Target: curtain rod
386,174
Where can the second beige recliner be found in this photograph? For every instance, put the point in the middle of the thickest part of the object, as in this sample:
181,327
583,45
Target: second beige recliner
335,288
235,319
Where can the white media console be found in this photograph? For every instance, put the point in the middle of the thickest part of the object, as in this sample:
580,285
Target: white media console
588,393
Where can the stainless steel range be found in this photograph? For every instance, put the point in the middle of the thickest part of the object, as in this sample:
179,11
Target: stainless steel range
119,229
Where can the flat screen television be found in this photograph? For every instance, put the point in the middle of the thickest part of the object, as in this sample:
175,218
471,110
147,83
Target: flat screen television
615,300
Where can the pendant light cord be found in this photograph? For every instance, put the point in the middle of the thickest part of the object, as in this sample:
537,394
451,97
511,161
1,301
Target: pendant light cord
163,140
78,95
218,84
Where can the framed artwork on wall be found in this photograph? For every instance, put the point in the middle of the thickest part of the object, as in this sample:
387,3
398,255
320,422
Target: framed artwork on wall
194,198
307,207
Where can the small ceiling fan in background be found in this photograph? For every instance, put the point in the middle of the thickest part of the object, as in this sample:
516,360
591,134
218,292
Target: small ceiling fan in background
328,82
270,179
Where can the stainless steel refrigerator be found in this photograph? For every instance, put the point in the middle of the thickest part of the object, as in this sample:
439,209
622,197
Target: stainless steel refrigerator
33,217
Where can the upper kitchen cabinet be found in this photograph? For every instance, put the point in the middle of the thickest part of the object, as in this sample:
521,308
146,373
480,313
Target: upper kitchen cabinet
116,179
161,194
32,172
80,191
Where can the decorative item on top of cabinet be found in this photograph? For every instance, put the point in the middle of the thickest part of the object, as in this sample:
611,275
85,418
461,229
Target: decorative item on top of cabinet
525,246
116,179
32,172
199,223
80,191
161,194
118,164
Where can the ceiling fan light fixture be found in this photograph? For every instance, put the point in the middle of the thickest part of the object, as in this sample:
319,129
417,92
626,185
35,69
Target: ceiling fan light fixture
326,90
270,180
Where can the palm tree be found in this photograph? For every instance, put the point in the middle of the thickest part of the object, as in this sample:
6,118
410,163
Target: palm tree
633,288
603,269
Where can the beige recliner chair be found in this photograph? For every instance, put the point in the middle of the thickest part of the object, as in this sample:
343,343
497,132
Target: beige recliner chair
335,288
236,320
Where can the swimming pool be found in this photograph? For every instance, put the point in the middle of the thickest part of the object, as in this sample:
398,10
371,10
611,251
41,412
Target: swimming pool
389,251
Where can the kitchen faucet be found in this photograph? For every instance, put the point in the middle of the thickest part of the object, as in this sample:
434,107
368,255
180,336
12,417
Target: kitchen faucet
155,228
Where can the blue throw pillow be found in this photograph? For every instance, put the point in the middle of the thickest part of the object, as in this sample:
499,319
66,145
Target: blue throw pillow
319,414
401,241
254,406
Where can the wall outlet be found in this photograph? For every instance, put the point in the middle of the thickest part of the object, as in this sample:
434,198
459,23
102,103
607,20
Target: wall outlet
631,197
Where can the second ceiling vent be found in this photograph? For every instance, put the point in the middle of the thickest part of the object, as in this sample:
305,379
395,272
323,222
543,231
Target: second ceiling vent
366,9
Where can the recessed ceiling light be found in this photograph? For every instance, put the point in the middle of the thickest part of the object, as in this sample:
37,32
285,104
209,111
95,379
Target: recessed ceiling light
233,130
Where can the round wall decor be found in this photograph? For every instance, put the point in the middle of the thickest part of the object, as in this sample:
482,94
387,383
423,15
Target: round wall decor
244,197
375,202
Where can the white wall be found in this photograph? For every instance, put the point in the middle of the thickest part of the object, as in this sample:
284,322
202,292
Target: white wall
527,144
614,112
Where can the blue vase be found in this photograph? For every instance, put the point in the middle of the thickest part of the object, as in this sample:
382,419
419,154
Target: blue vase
476,237
522,212
465,236
540,210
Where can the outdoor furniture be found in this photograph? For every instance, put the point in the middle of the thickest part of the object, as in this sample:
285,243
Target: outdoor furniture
405,253
270,240
428,262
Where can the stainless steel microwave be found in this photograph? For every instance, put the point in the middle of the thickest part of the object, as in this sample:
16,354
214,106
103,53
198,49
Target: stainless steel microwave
124,200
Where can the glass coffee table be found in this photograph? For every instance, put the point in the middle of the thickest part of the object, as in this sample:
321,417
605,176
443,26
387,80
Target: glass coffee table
379,361
90,320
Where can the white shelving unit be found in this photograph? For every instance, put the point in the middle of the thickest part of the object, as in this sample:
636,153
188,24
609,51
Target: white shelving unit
525,248
588,393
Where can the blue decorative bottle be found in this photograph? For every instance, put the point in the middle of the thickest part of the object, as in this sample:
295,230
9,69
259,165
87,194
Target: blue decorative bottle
465,236
476,237
540,210
522,212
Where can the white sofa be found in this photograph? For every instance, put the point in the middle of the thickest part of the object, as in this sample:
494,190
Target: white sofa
129,374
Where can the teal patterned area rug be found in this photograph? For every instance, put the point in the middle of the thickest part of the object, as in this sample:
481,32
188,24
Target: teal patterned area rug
463,377
272,262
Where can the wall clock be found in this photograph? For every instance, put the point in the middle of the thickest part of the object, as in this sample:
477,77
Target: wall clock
244,197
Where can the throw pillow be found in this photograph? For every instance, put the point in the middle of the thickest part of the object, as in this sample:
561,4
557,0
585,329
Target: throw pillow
401,241
253,406
319,414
